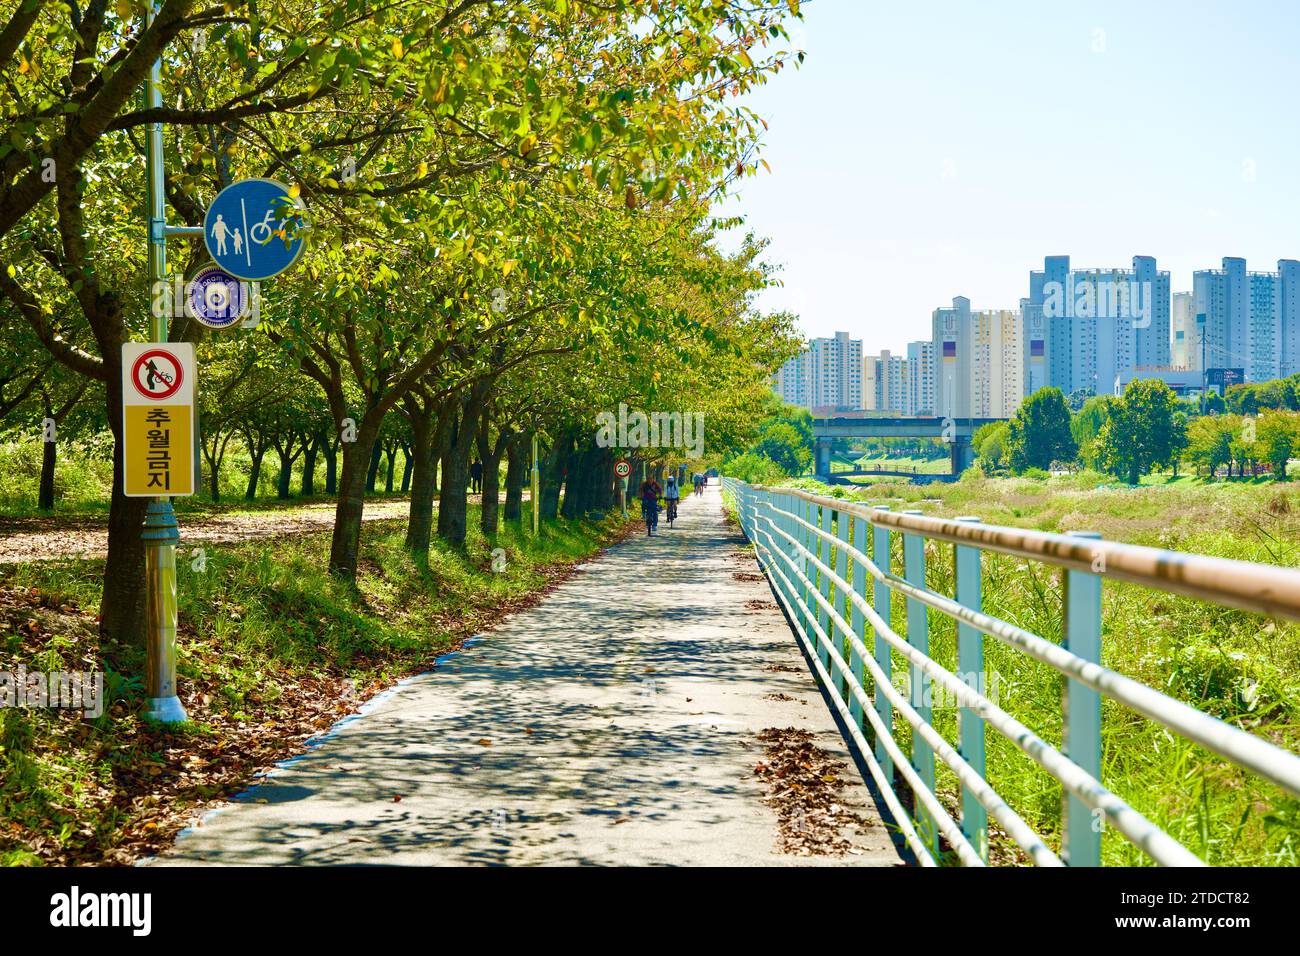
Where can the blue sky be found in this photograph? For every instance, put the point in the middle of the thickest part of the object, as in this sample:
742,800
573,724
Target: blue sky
926,150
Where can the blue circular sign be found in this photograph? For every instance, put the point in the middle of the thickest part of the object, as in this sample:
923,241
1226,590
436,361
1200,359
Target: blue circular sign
254,229
216,298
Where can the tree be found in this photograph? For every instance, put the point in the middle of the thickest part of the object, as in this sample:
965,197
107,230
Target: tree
1277,432
781,442
407,127
1209,442
1142,430
1086,425
1039,434
990,445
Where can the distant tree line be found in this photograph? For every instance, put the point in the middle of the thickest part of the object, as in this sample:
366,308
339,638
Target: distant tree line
1252,430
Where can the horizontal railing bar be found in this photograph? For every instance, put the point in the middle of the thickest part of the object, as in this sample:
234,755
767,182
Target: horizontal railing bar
1232,743
1238,584
1019,830
1141,832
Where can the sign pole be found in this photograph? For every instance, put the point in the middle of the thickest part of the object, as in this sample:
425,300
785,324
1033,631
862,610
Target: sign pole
161,534
536,490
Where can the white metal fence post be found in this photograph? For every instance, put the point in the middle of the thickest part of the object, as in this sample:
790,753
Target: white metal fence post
881,597
918,635
970,666
1081,712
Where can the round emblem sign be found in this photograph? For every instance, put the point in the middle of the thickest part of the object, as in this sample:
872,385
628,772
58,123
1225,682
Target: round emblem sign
216,298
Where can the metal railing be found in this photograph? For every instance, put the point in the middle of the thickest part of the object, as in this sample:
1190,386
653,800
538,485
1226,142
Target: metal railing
819,553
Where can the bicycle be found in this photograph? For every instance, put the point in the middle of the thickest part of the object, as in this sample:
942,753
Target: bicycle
672,511
650,512
266,228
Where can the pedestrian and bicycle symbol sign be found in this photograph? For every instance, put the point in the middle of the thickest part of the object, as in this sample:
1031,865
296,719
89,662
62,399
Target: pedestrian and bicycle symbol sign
255,229
158,419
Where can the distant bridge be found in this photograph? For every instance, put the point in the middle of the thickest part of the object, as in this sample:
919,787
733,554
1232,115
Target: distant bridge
920,477
956,431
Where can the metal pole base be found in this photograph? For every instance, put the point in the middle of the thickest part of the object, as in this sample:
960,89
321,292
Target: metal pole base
167,710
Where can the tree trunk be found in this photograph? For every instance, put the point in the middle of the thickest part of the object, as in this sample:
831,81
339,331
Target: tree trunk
453,489
574,479
419,523
214,482
391,454
214,460
122,607
254,473
310,451
604,498
346,543
552,476
406,467
372,475
490,454
285,476
45,493
330,449
518,450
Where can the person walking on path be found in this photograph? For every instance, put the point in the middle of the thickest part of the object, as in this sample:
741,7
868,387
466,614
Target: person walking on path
476,476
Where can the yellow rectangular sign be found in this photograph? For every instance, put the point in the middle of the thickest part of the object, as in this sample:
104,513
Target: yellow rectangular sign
158,450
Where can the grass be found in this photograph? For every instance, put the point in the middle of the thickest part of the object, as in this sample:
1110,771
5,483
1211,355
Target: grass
1240,667
272,650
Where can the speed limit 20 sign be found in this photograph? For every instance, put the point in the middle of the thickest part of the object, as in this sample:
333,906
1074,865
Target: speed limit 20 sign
157,419
622,468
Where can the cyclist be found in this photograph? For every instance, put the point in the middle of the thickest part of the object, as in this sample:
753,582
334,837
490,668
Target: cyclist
650,504
672,494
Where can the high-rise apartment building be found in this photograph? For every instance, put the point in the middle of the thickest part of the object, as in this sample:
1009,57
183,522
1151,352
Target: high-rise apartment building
998,375
793,380
828,374
1247,320
920,378
953,359
1095,324
837,372
889,379
870,383
980,363
1222,310
1182,326
1035,347
1264,332
1288,297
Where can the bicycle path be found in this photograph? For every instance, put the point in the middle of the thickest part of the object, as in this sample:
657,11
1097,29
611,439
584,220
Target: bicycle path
616,723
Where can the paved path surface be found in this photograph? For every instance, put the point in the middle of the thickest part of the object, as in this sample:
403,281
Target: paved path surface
614,723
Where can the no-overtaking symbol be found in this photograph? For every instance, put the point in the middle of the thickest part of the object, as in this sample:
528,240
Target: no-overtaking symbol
157,374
